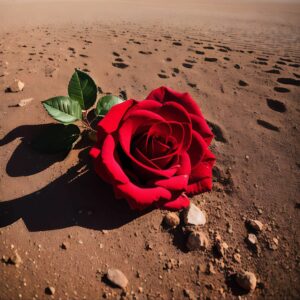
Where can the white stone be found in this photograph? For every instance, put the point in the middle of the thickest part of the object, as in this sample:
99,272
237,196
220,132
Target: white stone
117,277
194,216
16,86
24,102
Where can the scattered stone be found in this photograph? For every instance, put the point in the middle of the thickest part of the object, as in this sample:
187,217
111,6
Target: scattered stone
148,246
210,268
273,244
50,290
24,102
14,259
194,216
255,225
237,257
197,240
252,239
117,277
189,294
220,246
65,245
171,220
16,86
246,280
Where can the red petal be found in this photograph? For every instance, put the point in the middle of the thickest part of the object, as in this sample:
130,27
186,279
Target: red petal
110,165
175,183
199,124
197,149
111,121
165,94
181,202
140,198
201,175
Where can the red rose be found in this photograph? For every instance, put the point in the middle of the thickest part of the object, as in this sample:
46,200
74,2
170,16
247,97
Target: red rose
156,150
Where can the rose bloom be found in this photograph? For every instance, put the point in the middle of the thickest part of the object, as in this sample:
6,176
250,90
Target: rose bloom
155,152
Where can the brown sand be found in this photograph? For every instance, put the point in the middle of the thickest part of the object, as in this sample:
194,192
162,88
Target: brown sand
238,50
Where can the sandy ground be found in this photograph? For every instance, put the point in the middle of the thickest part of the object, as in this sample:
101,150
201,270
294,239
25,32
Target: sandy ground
236,59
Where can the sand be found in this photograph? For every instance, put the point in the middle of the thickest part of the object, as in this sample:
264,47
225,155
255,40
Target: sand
231,56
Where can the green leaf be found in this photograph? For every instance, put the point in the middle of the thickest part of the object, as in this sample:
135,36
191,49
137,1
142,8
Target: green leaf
106,103
63,109
56,138
82,89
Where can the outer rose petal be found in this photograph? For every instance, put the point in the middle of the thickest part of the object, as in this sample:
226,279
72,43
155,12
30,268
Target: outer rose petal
165,94
201,175
175,183
111,122
181,202
140,198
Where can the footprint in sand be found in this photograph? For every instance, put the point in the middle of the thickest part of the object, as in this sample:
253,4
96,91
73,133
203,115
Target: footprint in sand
208,47
168,59
163,76
83,55
192,85
120,65
280,89
177,43
211,59
176,70
145,52
119,59
237,66
217,131
276,105
188,66
267,125
243,83
273,71
199,52
294,65
290,81
296,75
115,54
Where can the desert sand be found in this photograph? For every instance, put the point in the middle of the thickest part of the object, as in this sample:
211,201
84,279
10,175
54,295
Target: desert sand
240,60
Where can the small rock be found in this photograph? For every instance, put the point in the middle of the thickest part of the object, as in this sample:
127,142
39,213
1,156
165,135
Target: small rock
171,220
197,240
15,259
252,239
24,102
255,225
16,86
220,246
237,257
210,268
189,294
117,277
194,216
65,245
247,281
50,290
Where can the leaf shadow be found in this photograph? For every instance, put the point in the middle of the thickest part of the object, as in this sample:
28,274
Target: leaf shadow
25,161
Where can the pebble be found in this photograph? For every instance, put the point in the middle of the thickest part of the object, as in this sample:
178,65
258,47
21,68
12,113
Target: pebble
24,102
117,277
16,86
255,225
50,290
171,220
65,245
246,280
252,239
194,216
237,257
197,240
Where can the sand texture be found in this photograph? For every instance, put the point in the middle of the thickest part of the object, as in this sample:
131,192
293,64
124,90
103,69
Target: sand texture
240,60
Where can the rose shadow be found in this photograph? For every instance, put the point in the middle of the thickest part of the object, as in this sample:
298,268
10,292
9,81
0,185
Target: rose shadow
77,198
